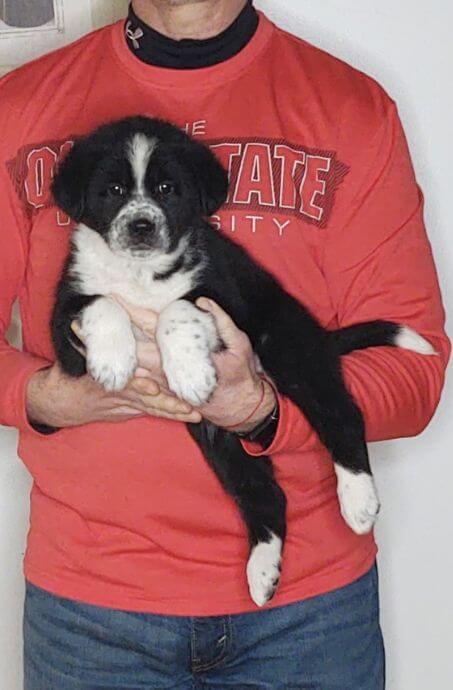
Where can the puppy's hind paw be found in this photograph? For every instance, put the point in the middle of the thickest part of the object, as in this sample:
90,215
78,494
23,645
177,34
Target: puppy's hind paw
359,502
263,569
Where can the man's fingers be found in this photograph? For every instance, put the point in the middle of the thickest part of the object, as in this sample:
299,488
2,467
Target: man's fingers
164,406
75,328
129,412
142,373
144,386
145,319
125,411
148,356
226,327
158,400
191,418
168,404
161,407
159,379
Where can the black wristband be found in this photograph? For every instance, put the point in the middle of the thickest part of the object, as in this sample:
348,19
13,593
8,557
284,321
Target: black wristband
264,432
44,429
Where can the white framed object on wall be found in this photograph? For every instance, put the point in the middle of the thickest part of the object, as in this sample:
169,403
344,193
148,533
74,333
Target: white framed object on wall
25,17
30,28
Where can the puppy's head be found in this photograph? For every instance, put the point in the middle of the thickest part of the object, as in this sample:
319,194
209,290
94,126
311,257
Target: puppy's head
141,183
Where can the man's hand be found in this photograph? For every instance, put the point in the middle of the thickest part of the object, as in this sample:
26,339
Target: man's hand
58,400
239,390
239,394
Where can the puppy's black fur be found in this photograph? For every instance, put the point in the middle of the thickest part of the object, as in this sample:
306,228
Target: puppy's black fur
301,357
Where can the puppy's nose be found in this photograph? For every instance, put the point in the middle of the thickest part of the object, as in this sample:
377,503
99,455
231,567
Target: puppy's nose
141,226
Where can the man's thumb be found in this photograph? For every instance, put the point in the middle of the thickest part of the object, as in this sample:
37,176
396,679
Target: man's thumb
226,327
145,319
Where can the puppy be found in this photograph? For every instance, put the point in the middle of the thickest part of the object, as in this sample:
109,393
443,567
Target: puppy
141,192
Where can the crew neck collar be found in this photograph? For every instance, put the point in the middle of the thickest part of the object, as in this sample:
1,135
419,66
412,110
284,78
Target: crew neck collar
156,49
193,79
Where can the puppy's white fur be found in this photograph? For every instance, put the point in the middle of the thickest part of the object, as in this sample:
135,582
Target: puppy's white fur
186,337
263,569
359,502
140,150
107,330
110,343
408,339
140,206
99,270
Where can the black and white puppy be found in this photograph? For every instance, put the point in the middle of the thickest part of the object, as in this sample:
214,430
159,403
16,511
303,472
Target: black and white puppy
141,192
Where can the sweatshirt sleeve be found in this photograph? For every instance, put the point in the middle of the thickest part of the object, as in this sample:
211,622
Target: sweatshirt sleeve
379,265
16,367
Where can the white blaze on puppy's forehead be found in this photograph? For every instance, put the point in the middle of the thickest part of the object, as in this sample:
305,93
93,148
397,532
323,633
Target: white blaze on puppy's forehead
140,149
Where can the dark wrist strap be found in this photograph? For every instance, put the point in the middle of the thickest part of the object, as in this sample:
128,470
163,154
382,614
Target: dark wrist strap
264,432
43,428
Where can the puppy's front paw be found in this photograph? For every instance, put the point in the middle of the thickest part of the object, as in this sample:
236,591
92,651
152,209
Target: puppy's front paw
263,570
190,375
359,502
112,361
186,337
110,344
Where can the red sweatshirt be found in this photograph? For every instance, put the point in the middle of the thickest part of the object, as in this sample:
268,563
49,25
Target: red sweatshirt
128,515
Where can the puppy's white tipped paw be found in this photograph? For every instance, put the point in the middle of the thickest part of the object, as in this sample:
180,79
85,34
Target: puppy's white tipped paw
359,502
408,339
112,363
186,337
110,344
263,570
192,378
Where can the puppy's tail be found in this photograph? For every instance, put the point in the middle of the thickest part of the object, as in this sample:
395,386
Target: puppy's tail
378,333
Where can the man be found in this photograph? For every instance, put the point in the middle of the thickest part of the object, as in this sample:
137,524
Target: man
135,556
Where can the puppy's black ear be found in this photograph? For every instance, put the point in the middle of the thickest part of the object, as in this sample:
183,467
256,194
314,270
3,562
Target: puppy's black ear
70,184
210,177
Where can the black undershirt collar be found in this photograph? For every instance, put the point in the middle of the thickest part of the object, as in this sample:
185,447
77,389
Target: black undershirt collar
154,48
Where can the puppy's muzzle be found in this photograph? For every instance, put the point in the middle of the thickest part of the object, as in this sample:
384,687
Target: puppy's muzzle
142,232
141,228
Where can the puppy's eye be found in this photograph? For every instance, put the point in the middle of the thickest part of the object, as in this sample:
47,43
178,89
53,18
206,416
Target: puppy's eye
116,190
165,188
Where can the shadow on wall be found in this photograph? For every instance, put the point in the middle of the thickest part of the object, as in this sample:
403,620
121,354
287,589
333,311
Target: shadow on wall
27,13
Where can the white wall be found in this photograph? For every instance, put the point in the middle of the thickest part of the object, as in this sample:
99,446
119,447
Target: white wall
77,17
407,46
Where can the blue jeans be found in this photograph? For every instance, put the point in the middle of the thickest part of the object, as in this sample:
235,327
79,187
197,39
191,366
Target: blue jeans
329,642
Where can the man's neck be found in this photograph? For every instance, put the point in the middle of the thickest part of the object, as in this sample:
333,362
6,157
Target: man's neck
178,19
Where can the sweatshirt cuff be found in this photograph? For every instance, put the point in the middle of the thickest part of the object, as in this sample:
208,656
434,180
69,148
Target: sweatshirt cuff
21,367
293,432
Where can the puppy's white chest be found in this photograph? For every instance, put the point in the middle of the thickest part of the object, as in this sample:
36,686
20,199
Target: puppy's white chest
141,289
99,271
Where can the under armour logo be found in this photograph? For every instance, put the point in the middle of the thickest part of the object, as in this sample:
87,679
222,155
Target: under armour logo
134,36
